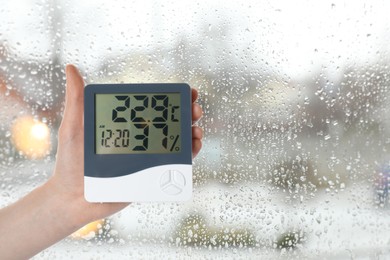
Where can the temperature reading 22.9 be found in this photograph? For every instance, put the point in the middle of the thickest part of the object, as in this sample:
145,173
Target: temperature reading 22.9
137,123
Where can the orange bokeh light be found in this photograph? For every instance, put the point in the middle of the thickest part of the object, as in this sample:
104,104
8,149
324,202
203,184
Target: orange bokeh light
31,137
90,230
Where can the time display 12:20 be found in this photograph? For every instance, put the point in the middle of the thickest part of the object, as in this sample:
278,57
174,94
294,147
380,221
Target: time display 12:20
137,123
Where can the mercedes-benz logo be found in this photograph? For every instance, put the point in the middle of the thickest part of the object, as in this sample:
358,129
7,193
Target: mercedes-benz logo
172,182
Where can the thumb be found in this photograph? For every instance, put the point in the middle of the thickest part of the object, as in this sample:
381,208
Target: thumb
72,121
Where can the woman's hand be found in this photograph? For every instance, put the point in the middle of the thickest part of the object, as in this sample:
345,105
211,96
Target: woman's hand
58,208
68,177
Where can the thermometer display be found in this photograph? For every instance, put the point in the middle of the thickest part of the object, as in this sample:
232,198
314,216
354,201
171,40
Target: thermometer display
137,142
137,123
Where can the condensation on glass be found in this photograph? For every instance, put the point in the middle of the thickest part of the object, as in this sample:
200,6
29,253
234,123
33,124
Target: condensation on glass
295,160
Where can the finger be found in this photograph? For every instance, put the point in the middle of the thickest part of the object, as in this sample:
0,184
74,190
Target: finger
197,132
196,146
197,112
194,94
72,120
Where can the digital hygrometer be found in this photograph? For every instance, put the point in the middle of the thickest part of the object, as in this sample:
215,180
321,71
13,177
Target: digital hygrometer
137,142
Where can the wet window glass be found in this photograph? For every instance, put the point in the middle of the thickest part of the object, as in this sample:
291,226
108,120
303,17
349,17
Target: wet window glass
296,151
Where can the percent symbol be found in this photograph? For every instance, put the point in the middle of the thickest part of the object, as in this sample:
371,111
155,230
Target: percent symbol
174,143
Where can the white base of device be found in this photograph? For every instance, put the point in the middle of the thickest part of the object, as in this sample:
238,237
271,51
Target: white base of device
171,182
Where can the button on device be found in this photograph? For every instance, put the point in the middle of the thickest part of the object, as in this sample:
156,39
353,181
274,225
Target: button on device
172,182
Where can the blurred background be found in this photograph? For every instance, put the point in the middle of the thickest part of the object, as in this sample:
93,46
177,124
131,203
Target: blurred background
296,154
